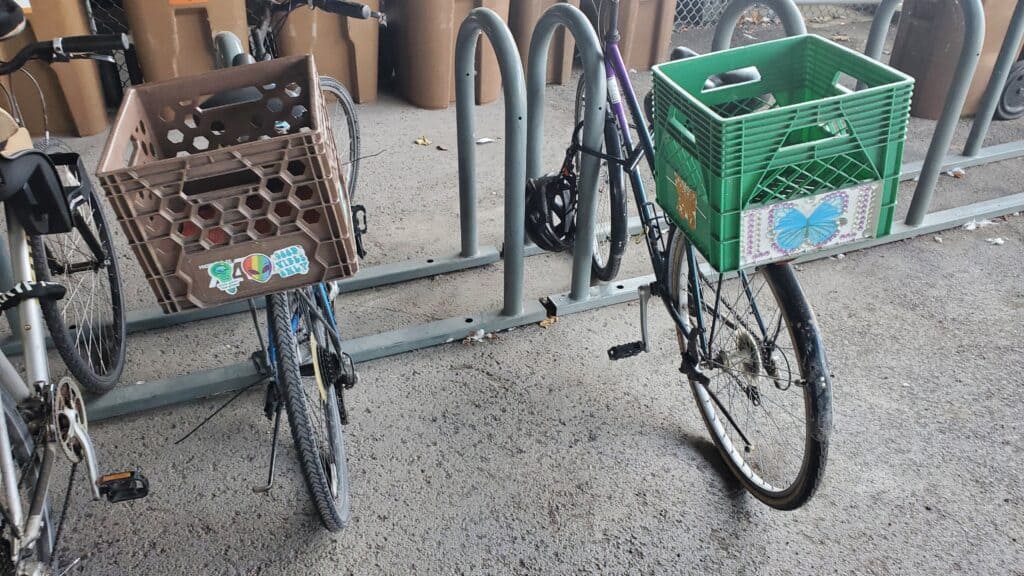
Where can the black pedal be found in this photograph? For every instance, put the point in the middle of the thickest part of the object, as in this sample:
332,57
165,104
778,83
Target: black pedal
124,486
623,351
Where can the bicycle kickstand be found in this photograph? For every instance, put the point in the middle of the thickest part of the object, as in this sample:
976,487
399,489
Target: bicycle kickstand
273,455
635,348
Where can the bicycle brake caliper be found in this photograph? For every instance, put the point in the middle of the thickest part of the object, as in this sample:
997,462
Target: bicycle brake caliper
635,348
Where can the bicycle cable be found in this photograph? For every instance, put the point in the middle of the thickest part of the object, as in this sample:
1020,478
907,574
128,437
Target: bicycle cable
63,517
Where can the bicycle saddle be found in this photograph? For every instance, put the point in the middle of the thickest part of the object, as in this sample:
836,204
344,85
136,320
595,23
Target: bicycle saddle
12,19
30,184
718,80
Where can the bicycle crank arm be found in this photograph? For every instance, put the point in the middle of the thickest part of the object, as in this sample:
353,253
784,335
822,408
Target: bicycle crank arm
635,348
88,453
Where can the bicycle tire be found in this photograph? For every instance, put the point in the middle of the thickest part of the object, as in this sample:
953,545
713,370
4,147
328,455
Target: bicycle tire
330,495
23,447
98,370
612,233
348,164
808,358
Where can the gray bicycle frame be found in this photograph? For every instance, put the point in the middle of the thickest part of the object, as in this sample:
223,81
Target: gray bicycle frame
25,529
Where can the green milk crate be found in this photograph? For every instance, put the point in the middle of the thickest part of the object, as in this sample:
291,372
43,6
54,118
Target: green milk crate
797,161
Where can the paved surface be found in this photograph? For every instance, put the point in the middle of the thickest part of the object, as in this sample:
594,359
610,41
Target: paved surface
534,454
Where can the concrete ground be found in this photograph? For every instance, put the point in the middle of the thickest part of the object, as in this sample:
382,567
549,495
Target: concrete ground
532,453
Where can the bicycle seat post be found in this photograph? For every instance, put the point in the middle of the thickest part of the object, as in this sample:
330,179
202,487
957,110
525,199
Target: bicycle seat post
613,35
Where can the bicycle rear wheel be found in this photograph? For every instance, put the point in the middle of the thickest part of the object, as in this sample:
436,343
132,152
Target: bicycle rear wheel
768,404
305,363
611,232
88,325
341,111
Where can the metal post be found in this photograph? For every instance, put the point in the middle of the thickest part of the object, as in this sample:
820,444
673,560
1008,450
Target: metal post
593,125
974,36
884,14
1007,56
484,20
786,10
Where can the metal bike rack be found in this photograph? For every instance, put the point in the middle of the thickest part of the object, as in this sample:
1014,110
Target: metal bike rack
129,399
593,127
919,221
522,161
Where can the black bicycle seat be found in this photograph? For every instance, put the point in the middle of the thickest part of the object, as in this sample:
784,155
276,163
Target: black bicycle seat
718,80
30,184
12,19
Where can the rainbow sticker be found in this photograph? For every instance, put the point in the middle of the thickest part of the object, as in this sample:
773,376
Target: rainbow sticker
228,275
258,267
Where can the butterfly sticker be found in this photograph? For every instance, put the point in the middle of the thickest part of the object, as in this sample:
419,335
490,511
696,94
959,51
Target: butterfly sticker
793,228
686,200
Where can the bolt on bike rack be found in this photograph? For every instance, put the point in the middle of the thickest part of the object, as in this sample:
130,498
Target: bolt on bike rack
515,310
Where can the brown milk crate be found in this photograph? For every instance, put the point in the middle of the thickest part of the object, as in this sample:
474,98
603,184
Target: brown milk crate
227,202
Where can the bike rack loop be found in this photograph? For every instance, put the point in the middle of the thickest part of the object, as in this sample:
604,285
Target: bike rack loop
786,10
486,21
993,92
589,47
974,37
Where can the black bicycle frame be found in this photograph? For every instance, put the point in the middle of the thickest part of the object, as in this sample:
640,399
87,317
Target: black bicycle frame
620,89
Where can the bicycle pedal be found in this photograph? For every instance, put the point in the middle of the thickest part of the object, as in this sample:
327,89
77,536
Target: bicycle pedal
124,486
629,350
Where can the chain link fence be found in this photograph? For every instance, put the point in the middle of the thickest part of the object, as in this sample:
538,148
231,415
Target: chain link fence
706,13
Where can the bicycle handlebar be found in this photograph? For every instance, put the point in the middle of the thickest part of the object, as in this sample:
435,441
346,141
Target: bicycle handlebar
342,7
96,43
63,49
345,8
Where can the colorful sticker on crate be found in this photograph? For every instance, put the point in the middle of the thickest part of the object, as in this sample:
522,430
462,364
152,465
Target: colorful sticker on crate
228,275
686,200
787,229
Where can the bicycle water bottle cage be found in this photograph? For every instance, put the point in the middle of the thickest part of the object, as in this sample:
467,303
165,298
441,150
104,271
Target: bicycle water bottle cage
30,184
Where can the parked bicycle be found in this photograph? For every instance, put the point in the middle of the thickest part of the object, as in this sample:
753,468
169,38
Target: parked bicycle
87,326
749,342
275,223
46,197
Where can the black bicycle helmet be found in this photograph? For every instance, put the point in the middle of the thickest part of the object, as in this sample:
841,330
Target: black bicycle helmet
12,19
551,210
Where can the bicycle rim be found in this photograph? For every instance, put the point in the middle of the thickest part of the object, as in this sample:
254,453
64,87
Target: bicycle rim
88,324
341,111
768,402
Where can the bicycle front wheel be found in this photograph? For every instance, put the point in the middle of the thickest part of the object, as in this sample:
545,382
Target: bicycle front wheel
768,404
341,112
304,363
88,325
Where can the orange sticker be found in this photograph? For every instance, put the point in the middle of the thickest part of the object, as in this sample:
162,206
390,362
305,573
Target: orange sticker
686,200
186,2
